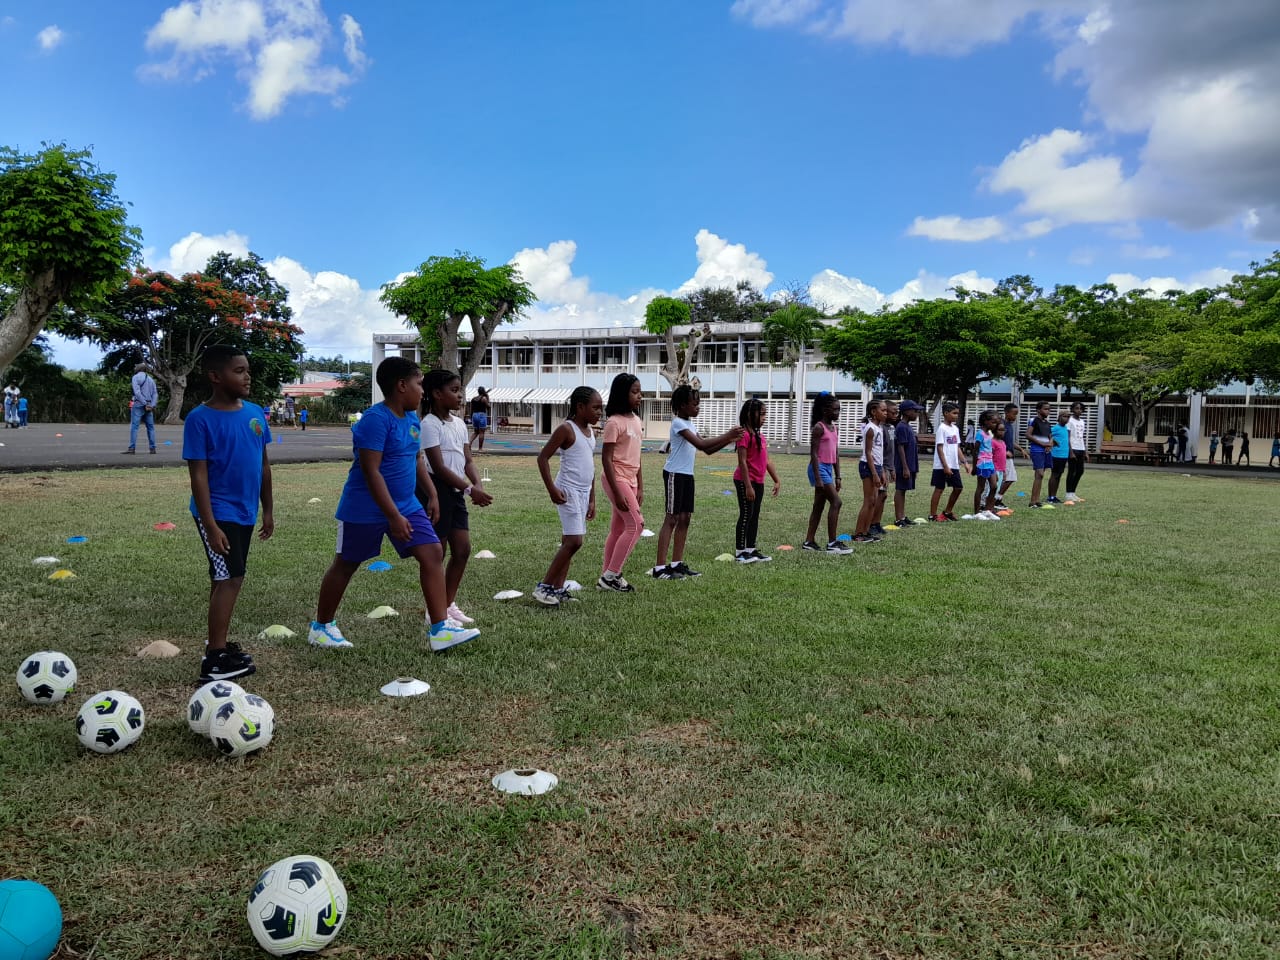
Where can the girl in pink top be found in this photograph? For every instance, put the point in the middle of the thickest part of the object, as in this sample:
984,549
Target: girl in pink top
748,481
824,473
623,483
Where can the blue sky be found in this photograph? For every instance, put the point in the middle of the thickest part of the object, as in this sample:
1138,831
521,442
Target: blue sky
615,151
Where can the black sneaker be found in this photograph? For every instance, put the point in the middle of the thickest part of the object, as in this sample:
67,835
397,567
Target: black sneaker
905,522
1035,506
952,517
617,584
810,545
760,557
1052,500
878,530
682,568
225,665
233,647
670,571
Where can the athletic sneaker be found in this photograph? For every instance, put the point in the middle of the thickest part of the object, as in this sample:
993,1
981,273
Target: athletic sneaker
836,547
328,635
683,569
809,545
937,518
877,530
668,571
225,664
1072,497
866,538
990,515
746,556
905,522
234,647
760,557
1035,506
615,583
546,595
952,517
565,595
458,615
1052,500
447,637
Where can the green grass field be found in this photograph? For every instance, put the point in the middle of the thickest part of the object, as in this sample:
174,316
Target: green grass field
1056,736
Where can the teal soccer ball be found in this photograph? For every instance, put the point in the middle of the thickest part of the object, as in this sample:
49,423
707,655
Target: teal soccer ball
30,921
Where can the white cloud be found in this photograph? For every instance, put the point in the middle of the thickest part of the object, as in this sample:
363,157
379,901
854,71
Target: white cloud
957,228
1213,277
278,48
50,38
192,252
336,313
775,13
724,264
836,291
1091,191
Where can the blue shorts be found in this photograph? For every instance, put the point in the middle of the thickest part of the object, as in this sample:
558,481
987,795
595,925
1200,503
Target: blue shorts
986,471
1041,457
826,472
864,471
905,482
480,421
358,542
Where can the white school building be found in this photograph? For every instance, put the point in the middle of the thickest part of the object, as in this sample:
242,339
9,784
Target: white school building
530,373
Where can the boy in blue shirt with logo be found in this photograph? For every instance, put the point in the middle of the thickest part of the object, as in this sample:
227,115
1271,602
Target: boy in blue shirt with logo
378,500
224,441
1061,454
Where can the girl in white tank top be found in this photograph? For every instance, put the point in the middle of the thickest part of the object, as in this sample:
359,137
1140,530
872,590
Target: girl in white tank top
574,489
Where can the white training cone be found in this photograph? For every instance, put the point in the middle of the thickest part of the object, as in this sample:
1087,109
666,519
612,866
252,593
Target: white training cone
486,555
646,532
314,500
573,586
724,556
508,595
46,561
527,781
405,687
161,649
377,613
276,631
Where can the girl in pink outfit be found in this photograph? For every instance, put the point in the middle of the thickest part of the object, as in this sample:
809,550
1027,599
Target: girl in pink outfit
824,473
623,481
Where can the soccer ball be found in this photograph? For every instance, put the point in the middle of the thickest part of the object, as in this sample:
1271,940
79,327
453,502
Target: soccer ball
46,677
110,721
298,904
206,700
30,920
243,724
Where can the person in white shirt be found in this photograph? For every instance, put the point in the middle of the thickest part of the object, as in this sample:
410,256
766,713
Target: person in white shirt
1079,449
948,460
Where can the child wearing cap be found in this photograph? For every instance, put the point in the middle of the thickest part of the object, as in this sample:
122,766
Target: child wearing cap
906,460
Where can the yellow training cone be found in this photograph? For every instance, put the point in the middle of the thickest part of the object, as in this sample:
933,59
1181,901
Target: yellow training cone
62,575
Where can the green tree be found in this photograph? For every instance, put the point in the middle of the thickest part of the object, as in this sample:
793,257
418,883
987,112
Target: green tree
168,322
64,239
788,333
663,316
932,349
447,290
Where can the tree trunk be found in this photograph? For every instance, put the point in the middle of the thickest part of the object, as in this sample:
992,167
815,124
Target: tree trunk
26,318
671,369
481,334
448,358
177,387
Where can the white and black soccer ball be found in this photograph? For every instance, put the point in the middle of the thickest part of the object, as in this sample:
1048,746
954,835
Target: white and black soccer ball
110,721
244,723
46,677
298,905
206,700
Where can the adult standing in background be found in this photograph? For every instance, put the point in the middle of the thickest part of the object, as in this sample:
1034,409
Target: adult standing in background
143,408
480,416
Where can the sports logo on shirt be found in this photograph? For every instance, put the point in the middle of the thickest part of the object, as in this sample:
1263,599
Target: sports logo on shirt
256,426
414,432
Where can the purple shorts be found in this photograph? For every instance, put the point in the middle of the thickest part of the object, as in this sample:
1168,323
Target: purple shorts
358,542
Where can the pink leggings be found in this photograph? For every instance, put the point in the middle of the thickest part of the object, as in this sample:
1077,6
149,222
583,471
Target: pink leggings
624,529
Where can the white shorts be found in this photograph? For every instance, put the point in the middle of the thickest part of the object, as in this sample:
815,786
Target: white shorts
573,512
1010,471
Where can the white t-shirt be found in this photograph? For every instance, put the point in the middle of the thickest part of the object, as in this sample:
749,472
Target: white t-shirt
874,452
451,437
1075,427
947,444
680,459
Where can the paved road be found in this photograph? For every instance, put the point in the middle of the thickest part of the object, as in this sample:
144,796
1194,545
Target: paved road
82,446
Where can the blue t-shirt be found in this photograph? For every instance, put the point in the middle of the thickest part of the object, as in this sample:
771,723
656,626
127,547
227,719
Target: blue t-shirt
904,438
1061,441
397,439
22,403
231,442
680,459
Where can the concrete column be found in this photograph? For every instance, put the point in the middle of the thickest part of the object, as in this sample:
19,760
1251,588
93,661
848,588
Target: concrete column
741,392
379,354
1194,417
1101,403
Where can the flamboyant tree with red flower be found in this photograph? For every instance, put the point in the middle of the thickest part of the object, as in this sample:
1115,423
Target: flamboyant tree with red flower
168,322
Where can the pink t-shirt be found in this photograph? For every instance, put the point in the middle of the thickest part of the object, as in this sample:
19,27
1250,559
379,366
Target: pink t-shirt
623,431
999,453
829,445
757,457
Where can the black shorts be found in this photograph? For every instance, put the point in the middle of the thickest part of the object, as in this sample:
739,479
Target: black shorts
230,566
678,488
905,482
1059,464
453,513
941,480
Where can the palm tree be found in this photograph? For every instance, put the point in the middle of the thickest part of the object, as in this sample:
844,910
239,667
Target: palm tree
788,332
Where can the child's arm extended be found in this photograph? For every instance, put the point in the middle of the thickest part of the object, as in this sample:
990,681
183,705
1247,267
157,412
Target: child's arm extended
711,445
479,495
268,501
560,438
199,472
370,466
611,479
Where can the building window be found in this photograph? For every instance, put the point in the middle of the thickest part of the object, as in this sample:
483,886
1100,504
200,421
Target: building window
518,357
719,353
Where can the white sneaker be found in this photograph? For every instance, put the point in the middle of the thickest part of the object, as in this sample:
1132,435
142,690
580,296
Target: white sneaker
450,637
746,556
1072,497
328,635
546,595
458,615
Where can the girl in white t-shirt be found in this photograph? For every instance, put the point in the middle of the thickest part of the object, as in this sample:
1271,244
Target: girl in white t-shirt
444,441
574,489
871,470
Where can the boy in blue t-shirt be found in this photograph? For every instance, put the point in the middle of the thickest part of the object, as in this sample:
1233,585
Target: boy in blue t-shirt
1061,454
378,500
224,441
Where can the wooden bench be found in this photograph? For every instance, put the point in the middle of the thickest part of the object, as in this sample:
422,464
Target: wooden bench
515,424
1130,451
